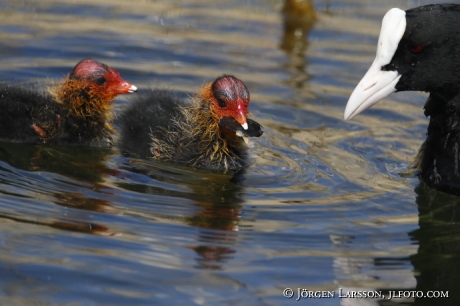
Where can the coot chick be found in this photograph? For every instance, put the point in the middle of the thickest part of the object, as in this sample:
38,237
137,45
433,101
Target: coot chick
419,50
78,111
210,132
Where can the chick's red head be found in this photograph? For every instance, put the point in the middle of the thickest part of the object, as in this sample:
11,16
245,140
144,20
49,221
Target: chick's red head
101,78
230,98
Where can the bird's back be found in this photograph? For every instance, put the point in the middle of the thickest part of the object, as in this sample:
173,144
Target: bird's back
150,115
21,107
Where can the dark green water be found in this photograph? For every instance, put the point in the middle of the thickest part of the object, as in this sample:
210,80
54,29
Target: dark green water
327,204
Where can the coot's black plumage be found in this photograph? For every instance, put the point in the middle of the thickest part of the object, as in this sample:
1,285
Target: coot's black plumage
78,111
208,132
143,118
419,50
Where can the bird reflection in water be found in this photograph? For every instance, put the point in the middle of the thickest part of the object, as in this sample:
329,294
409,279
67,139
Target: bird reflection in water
215,210
81,166
220,211
437,262
299,17
218,218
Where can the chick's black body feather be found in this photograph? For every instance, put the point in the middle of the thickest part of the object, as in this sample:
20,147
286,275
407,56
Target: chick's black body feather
26,110
21,108
146,117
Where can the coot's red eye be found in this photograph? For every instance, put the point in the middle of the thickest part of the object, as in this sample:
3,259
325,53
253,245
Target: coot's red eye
416,48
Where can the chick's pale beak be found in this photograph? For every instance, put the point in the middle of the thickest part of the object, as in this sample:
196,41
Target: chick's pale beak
240,116
132,89
126,88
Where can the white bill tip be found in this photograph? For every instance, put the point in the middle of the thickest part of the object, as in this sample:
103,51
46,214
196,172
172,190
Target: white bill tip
132,89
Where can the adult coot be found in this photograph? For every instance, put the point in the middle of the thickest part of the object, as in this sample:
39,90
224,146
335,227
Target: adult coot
419,50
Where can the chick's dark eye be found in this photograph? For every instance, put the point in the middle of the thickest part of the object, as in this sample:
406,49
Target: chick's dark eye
416,48
221,102
100,80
